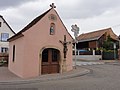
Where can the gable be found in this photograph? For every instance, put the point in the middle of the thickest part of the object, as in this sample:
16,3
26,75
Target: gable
47,14
5,26
64,26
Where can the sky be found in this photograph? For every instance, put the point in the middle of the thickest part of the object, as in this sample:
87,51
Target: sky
89,15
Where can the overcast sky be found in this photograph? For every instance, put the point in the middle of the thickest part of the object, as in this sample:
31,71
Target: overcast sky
89,15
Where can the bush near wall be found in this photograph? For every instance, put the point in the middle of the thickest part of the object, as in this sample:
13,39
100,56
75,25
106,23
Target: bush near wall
109,55
4,59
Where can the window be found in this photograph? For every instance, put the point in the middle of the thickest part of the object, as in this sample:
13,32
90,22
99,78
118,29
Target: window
4,49
4,36
0,24
52,17
13,53
45,55
52,29
55,55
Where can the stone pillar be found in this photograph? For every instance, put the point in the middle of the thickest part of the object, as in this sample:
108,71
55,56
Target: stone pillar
93,52
64,67
119,48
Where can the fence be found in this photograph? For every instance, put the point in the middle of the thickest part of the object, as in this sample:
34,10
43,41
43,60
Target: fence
87,55
86,52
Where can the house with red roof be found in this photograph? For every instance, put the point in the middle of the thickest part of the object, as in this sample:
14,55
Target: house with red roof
90,45
95,39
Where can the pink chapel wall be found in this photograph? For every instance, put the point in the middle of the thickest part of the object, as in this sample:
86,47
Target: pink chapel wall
16,66
35,39
118,54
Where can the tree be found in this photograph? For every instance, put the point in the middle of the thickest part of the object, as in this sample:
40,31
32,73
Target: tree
108,44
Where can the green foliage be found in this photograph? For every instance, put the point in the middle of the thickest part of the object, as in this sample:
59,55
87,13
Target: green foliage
108,44
109,51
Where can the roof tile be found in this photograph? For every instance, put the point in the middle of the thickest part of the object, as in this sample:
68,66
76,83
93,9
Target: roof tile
96,35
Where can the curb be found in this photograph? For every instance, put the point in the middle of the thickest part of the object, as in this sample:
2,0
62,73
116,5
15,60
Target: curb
91,63
86,71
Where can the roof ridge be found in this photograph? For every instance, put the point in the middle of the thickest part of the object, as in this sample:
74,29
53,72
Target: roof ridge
7,24
96,31
94,34
33,22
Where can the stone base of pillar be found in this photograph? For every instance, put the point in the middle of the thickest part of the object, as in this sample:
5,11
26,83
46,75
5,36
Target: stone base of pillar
64,68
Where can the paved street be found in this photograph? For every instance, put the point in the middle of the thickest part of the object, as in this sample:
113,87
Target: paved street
102,77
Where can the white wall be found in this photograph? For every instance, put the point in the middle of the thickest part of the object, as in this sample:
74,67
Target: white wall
4,29
88,57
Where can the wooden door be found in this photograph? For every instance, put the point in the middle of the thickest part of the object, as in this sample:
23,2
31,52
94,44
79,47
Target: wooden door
50,61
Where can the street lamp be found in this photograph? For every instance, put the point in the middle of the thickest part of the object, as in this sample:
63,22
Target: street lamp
75,29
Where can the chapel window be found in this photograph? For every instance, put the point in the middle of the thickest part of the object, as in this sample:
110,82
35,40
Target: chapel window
0,24
13,53
52,29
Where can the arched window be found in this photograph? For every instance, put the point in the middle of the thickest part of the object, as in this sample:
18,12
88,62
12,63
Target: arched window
13,53
52,29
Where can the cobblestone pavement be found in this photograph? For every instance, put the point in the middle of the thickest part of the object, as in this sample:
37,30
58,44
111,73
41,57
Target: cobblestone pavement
101,77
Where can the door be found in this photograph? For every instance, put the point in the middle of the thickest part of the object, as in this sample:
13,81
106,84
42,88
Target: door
50,61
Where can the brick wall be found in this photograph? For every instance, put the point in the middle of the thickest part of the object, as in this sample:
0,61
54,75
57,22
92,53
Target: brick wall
92,44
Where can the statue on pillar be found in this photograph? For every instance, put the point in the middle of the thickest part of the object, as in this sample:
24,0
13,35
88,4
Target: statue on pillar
65,43
65,49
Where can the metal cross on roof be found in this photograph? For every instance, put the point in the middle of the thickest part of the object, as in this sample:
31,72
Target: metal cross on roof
52,5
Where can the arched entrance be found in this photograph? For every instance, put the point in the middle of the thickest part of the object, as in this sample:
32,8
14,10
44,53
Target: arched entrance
50,61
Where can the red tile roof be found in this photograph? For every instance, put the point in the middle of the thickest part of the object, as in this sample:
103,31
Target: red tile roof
96,35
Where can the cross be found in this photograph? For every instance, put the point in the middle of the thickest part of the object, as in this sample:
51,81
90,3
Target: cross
65,43
52,5
75,29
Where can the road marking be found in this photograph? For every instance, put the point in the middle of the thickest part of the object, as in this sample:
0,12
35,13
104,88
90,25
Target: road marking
78,63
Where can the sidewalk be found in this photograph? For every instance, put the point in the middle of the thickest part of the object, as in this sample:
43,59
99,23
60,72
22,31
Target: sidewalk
6,77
